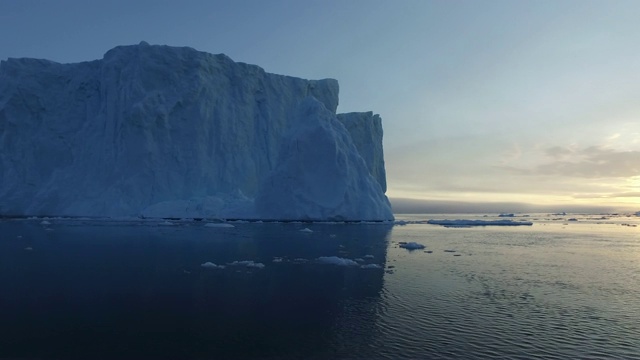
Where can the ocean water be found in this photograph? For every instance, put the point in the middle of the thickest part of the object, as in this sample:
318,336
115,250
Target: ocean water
136,289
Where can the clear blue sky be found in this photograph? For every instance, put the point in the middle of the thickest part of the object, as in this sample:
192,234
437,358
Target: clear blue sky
533,101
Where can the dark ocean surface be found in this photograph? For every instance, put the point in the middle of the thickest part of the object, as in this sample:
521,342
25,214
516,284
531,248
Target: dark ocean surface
136,289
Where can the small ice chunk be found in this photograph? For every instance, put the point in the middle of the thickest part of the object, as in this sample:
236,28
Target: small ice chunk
300,260
210,265
412,246
45,222
334,260
220,225
247,263
359,260
166,223
277,259
368,256
371,266
306,230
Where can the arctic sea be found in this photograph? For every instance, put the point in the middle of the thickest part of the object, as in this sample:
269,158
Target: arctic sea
566,287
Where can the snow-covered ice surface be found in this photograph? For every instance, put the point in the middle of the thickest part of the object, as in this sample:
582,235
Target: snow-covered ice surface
171,132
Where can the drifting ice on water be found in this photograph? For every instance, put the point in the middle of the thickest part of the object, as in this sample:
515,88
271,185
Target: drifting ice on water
164,131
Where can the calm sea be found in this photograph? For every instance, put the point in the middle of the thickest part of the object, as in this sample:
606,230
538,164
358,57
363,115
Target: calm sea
567,287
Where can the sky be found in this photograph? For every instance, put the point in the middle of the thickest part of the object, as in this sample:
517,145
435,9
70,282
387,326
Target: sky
491,101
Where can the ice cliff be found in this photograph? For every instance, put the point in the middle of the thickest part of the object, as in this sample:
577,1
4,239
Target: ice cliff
164,131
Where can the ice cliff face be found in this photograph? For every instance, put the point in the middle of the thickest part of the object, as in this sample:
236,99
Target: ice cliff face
173,132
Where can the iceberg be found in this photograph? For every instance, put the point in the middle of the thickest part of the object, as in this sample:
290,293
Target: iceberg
172,132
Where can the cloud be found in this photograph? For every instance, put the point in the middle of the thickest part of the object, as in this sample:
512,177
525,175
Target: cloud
558,152
607,196
591,162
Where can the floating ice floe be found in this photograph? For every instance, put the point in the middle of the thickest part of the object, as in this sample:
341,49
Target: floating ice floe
306,230
45,222
411,245
368,256
247,263
371,266
277,259
334,260
466,223
219,225
210,265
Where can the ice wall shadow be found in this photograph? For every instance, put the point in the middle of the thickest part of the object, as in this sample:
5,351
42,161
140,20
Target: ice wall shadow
130,290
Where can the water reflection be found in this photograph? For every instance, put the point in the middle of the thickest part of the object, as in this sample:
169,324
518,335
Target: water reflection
90,288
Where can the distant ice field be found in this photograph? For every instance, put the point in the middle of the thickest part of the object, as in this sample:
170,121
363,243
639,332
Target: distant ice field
564,287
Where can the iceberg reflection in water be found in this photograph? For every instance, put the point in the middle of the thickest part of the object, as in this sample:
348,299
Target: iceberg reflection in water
555,289
138,289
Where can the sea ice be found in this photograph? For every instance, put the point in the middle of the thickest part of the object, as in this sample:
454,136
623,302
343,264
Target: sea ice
247,263
210,265
334,260
371,266
219,225
412,246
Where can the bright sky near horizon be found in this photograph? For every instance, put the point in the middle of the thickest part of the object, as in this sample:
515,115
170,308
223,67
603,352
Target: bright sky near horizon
525,101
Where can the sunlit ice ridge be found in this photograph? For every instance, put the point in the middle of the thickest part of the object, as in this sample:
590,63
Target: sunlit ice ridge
160,131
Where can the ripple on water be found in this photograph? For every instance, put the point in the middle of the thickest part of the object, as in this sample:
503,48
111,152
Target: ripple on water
547,298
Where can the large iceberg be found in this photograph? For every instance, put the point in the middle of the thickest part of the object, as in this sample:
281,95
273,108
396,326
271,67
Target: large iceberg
163,131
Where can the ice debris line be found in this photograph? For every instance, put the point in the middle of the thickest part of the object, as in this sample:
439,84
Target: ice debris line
164,132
